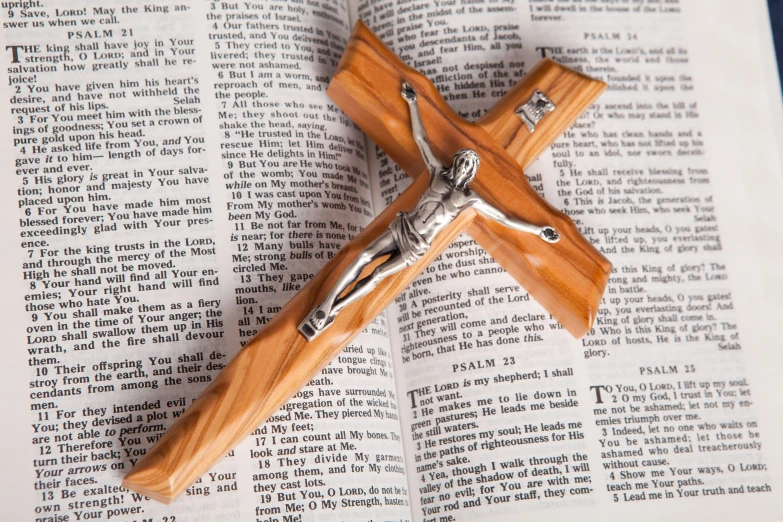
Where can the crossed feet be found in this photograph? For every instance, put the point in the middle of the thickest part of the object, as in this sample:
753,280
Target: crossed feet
317,321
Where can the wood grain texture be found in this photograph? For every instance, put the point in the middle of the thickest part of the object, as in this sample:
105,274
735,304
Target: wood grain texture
273,366
567,278
278,361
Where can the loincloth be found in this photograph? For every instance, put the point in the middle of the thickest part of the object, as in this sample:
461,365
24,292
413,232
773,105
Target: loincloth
411,244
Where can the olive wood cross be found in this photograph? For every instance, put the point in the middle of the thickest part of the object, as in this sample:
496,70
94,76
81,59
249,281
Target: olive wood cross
567,278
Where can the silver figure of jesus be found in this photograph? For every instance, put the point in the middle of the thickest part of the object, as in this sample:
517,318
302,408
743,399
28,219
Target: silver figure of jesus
410,235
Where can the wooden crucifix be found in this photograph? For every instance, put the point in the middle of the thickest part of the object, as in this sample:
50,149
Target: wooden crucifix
538,245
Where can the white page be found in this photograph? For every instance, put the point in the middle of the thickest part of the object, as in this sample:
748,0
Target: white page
249,118
738,106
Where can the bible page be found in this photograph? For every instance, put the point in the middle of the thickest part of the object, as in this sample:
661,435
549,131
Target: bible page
174,173
667,407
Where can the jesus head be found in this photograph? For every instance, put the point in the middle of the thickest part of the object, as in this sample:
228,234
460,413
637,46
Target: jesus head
464,167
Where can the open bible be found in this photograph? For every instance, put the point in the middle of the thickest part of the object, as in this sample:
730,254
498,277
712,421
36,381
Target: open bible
175,173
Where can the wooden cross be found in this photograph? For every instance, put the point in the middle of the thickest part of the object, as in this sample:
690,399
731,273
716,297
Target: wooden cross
567,278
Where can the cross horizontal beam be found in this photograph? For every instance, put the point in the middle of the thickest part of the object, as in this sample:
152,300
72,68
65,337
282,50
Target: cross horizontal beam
568,278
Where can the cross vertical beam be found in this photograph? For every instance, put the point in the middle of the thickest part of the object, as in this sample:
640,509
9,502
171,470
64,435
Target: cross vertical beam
278,361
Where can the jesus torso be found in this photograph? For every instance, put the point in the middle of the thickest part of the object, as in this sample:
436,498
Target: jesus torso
437,207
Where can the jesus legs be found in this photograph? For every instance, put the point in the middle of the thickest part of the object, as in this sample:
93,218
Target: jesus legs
393,264
325,313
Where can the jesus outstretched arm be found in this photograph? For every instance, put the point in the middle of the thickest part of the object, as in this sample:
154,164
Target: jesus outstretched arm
419,133
547,233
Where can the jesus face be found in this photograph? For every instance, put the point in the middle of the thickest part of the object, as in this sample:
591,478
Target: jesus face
464,167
